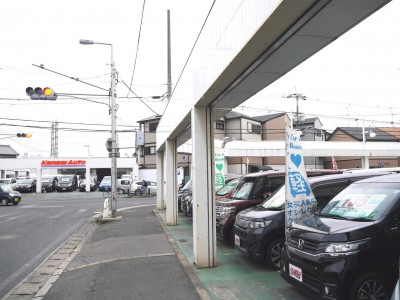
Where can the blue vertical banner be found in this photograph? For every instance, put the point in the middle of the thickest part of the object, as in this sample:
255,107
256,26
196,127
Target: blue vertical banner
300,200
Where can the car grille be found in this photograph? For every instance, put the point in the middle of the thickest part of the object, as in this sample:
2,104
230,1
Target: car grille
242,233
309,246
218,209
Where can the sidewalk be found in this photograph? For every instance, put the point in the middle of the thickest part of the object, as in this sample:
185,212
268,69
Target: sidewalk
139,257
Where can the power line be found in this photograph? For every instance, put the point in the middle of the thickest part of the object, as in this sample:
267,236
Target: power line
137,48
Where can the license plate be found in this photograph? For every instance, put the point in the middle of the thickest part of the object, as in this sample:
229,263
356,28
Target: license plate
16,199
237,240
295,272
64,189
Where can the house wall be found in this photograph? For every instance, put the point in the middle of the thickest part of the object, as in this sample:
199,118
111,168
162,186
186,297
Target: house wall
274,130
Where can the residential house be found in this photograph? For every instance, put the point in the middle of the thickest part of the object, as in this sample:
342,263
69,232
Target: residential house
368,134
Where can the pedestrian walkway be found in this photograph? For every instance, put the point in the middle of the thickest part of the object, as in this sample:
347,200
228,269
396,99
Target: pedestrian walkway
138,257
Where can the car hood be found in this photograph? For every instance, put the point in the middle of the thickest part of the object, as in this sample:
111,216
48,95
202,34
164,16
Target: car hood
258,213
330,226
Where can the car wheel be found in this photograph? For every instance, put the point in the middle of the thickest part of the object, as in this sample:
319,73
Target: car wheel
4,201
370,286
273,253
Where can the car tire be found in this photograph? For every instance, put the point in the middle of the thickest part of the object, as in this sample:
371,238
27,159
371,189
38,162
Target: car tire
4,201
273,253
368,286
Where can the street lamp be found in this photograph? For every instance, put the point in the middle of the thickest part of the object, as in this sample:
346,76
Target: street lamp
113,203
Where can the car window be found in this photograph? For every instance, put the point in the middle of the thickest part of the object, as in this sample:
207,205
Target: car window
324,193
273,183
6,188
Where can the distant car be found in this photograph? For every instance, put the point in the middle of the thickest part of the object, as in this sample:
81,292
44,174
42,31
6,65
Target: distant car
105,184
49,183
7,195
12,182
138,183
93,184
27,185
67,183
124,184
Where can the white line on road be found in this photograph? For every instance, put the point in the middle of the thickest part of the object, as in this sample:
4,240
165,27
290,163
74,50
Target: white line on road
9,214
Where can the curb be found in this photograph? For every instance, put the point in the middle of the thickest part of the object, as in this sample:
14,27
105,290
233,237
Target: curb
39,281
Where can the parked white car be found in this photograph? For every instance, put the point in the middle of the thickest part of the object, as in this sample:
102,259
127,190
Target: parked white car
12,182
138,183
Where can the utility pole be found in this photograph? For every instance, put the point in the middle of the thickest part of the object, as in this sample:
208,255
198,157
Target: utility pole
169,83
298,97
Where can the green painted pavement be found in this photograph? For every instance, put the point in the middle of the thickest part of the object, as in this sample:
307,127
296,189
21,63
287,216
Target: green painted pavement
236,276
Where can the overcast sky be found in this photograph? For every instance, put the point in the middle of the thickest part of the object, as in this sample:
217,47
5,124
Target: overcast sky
344,82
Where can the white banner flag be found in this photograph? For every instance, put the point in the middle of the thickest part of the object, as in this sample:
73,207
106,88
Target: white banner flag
300,200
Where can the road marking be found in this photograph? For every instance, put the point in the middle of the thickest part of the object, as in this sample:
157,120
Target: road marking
8,237
121,258
9,214
82,210
44,206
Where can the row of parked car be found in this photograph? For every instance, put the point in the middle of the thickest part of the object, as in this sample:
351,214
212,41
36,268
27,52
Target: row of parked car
348,249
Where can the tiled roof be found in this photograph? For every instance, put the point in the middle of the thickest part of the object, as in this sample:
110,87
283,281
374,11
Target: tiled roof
357,133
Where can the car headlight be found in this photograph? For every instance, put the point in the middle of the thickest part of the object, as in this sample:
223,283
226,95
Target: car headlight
227,211
259,224
343,248
11,194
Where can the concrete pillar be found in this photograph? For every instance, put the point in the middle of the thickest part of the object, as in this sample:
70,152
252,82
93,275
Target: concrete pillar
38,180
204,237
365,162
171,187
160,179
87,175
3,174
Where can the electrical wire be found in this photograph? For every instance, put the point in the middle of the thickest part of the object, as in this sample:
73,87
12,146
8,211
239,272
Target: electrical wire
137,48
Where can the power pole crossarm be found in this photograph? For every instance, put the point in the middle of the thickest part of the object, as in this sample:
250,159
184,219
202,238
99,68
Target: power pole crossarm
297,97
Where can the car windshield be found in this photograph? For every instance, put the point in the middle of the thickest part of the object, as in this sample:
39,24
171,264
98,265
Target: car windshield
5,181
27,181
46,180
363,201
65,179
6,188
187,186
244,188
227,188
276,200
106,180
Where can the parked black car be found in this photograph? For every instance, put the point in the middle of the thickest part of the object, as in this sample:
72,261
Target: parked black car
260,230
67,183
27,185
49,183
349,250
93,184
7,195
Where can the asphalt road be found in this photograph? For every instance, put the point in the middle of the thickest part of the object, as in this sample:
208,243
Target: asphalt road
30,231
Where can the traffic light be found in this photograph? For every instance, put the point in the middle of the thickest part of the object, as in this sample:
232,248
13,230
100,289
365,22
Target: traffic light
41,93
24,135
